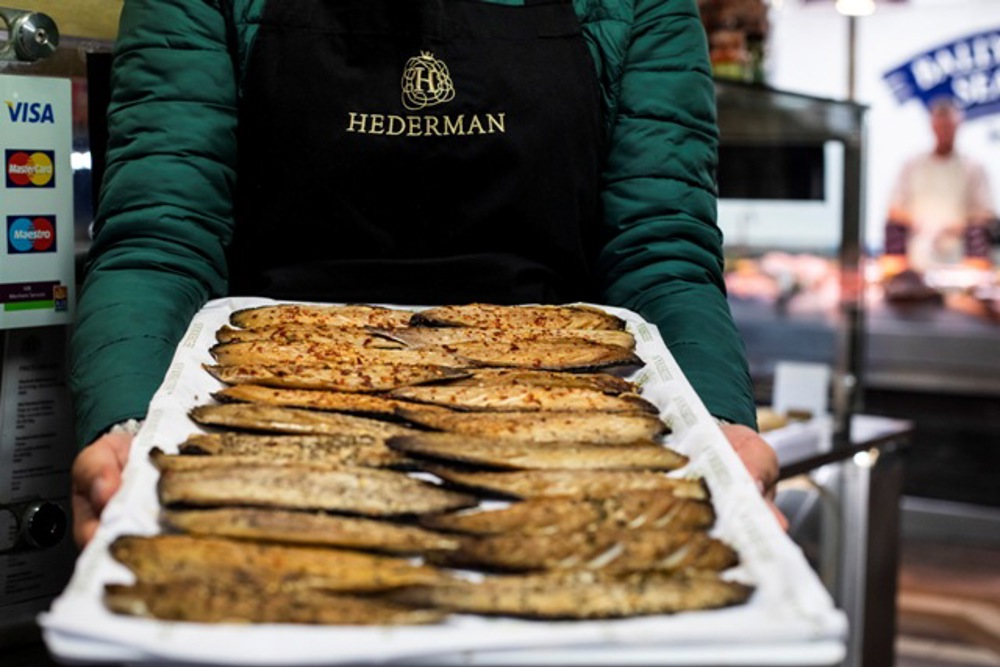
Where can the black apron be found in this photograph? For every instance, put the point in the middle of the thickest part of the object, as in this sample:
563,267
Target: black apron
418,152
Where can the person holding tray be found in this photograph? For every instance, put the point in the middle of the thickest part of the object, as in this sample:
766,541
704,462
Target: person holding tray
426,152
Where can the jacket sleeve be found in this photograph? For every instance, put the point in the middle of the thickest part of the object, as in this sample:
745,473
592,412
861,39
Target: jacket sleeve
165,212
662,252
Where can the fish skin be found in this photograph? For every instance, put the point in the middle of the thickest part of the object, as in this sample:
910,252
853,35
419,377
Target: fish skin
432,336
520,454
311,528
601,381
613,550
581,594
257,417
365,491
550,426
554,514
365,451
331,401
351,377
491,316
264,352
515,398
575,483
217,602
271,567
326,315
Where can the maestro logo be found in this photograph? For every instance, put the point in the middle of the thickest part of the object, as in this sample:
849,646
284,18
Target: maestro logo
30,234
30,169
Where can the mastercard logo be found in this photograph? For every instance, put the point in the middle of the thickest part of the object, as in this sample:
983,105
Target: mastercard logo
29,234
30,169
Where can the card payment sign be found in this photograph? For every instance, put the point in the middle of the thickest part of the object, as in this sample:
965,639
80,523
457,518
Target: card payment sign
30,168
31,234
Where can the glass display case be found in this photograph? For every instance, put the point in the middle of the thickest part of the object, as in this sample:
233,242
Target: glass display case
790,181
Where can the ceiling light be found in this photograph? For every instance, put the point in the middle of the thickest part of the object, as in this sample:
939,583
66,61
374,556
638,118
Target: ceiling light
856,7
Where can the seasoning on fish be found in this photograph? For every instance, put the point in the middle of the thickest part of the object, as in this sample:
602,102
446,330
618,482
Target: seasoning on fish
365,491
292,333
257,417
594,427
266,352
314,528
418,336
522,454
576,483
343,457
633,510
555,355
332,401
490,316
488,377
327,316
520,398
220,602
354,376
353,450
582,594
269,567
614,550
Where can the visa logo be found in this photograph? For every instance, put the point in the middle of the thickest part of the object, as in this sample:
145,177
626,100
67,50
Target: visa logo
30,112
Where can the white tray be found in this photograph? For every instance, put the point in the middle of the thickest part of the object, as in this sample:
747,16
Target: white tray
789,620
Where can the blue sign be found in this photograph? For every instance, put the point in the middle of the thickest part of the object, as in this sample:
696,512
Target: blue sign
966,70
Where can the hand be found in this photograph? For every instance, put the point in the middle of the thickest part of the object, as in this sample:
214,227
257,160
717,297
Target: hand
760,459
97,474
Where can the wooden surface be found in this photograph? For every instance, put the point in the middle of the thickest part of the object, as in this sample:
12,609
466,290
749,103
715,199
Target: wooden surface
92,19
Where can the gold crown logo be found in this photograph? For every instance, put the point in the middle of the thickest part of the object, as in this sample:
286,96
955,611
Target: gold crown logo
426,82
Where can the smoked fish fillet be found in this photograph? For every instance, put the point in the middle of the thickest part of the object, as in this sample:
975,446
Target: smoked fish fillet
331,401
581,594
575,483
326,316
490,316
276,419
220,602
355,376
270,567
488,377
283,334
521,398
365,491
526,455
265,352
315,528
628,510
568,354
356,450
419,336
613,550
551,426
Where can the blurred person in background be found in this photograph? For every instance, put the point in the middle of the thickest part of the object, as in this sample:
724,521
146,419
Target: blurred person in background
941,208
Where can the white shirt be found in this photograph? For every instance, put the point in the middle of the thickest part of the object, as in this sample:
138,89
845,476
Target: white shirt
940,195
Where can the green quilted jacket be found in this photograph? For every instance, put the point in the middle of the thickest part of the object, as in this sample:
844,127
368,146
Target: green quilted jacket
165,214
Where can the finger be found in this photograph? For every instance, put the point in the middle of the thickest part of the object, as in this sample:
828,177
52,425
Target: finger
85,520
779,515
757,455
96,476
